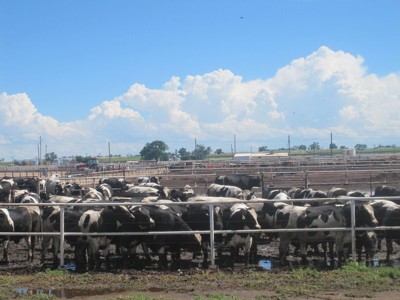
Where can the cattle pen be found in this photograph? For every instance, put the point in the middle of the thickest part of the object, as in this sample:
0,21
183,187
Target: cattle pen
63,233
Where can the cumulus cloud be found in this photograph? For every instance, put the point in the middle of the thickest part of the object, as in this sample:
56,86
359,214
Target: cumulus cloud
326,91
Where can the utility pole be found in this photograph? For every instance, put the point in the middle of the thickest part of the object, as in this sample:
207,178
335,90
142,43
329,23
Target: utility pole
40,150
331,146
289,145
109,152
234,144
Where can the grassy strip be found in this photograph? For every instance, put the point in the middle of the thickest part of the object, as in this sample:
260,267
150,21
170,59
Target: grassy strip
350,281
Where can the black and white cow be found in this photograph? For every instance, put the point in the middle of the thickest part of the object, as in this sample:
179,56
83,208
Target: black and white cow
245,182
117,184
6,225
387,191
219,190
53,186
7,190
153,179
241,217
381,209
73,189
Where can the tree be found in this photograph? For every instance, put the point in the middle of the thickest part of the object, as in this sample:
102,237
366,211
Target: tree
314,146
201,152
332,146
360,146
343,147
50,157
303,147
262,148
154,150
184,154
218,151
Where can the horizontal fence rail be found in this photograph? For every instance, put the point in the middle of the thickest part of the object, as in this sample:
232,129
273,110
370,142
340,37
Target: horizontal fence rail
62,234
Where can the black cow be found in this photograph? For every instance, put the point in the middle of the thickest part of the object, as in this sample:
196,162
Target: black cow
198,218
30,184
166,220
51,223
245,182
381,209
392,218
387,191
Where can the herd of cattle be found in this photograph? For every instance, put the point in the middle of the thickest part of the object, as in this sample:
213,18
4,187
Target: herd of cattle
148,206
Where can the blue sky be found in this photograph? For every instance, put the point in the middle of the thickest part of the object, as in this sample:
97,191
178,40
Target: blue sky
81,74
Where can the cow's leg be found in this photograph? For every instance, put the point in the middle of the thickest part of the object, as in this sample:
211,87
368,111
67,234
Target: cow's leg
389,249
162,258
247,250
332,253
303,252
283,249
5,250
29,244
234,250
204,248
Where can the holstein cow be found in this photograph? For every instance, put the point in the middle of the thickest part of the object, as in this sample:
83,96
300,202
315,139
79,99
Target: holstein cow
117,184
111,219
241,217
7,189
381,209
154,179
218,190
245,182
6,225
53,186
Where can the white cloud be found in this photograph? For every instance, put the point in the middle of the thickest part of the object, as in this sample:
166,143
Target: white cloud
326,91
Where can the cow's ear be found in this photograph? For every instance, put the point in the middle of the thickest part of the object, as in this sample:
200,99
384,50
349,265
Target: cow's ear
243,217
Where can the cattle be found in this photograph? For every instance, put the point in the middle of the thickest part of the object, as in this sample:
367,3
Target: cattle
183,194
218,190
381,208
166,220
241,217
324,216
53,186
245,182
51,223
72,189
198,218
109,219
368,241
117,184
7,190
392,218
386,191
30,184
22,220
336,192
6,225
106,190
153,179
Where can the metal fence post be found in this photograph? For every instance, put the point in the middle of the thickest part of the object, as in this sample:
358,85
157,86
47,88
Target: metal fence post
353,231
62,237
212,242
